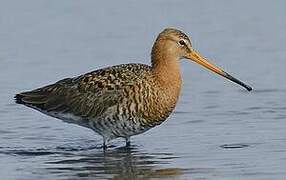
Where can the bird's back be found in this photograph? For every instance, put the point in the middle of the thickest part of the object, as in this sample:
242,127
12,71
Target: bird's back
68,94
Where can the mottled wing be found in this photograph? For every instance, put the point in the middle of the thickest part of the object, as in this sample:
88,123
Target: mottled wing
88,95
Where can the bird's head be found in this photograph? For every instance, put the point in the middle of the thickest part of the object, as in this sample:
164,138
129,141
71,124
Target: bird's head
178,45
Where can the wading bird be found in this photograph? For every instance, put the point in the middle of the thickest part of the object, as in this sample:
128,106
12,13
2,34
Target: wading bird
123,100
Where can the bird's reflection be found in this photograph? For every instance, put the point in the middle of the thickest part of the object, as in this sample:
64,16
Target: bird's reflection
119,163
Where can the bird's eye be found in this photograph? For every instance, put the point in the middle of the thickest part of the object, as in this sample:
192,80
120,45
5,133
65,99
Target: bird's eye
182,42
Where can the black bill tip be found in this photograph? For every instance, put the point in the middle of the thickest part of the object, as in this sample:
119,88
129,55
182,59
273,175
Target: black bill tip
228,76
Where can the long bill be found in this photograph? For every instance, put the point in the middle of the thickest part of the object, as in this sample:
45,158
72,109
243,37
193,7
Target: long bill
195,56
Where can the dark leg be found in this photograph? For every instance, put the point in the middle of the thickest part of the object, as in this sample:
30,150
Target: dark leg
104,143
128,143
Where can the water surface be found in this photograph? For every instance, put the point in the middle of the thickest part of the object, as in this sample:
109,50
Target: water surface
218,130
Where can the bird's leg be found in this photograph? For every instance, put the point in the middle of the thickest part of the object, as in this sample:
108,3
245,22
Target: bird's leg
105,141
127,139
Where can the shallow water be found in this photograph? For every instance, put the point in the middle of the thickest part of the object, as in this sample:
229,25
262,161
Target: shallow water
218,130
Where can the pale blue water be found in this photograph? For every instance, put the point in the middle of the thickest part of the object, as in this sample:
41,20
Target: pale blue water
218,130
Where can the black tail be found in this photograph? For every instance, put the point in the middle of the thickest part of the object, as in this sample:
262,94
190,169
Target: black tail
47,98
36,98
19,99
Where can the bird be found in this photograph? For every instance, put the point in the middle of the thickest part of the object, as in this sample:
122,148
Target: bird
123,100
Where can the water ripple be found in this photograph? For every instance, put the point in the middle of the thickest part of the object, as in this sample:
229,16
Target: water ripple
118,163
29,152
234,146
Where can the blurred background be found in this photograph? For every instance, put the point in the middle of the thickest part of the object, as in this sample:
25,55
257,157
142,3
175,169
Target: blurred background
218,130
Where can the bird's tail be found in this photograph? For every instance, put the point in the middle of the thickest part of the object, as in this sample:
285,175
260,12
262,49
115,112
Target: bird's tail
36,98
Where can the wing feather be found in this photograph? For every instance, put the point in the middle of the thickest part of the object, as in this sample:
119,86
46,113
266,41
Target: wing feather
88,95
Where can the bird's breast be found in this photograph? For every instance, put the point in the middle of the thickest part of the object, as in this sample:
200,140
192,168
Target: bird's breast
142,107
152,104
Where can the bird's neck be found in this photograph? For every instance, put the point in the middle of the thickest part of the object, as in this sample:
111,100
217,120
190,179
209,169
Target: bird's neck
166,69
